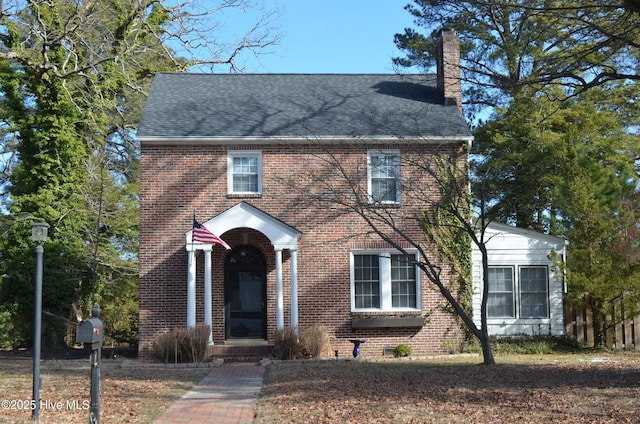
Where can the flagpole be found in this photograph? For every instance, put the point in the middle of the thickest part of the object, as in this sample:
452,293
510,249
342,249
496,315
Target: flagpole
191,281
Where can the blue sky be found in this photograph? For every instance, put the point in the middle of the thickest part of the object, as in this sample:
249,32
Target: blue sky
335,36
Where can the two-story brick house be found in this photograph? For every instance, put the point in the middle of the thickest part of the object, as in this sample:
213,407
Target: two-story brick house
244,153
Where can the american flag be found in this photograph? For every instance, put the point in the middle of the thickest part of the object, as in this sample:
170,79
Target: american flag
201,234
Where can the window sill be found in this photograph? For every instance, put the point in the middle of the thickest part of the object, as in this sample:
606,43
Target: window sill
387,322
385,205
244,195
517,321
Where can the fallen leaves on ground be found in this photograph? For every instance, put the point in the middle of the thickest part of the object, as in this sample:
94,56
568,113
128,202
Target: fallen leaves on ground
524,389
127,395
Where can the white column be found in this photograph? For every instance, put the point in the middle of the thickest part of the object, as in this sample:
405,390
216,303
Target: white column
294,289
191,289
279,295
207,292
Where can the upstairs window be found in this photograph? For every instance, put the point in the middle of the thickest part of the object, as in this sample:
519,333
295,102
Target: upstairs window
245,172
384,176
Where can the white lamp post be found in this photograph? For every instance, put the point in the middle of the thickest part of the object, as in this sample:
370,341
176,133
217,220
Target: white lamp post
39,232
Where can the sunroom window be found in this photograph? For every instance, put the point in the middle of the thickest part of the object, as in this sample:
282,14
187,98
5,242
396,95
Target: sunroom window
526,296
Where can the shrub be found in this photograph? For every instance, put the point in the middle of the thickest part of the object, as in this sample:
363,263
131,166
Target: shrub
8,334
402,350
183,344
535,344
287,345
316,341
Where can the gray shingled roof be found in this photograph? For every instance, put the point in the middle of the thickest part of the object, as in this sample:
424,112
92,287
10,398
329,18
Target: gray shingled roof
182,105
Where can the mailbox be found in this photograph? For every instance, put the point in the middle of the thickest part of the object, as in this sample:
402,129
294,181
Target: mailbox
90,331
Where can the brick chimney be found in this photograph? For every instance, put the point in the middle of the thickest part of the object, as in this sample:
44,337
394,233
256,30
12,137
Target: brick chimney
448,67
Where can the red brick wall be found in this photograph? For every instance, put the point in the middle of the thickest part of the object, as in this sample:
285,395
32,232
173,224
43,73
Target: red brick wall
178,180
448,66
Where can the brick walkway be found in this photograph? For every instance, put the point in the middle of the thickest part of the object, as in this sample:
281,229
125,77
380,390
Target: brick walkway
228,395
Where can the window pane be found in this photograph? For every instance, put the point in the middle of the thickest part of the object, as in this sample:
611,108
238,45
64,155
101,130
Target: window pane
500,279
385,175
245,174
534,297
533,305
245,165
500,301
533,279
403,282
245,183
366,281
500,305
383,190
384,166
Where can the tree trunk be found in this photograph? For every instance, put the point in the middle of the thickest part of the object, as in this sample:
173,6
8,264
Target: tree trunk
483,335
487,353
598,320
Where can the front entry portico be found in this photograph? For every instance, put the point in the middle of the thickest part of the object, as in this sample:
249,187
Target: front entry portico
281,236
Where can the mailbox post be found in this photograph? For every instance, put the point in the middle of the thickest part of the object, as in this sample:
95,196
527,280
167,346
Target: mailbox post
90,333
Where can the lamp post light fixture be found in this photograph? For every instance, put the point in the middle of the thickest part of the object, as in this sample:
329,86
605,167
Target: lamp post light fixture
39,232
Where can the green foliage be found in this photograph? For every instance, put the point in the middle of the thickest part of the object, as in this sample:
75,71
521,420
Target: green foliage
44,187
402,350
568,169
536,345
443,228
8,336
511,46
72,88
74,157
120,314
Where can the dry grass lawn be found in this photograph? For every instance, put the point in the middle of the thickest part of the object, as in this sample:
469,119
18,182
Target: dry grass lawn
520,389
128,395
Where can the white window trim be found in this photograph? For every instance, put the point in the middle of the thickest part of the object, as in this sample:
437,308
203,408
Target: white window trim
548,289
514,293
243,153
385,280
386,152
517,296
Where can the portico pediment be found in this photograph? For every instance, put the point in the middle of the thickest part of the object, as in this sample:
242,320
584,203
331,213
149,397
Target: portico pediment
245,215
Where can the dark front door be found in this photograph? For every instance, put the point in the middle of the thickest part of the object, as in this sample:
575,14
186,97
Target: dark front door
245,294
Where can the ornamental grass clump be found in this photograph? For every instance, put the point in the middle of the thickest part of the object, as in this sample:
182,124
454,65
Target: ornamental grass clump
182,344
287,345
316,341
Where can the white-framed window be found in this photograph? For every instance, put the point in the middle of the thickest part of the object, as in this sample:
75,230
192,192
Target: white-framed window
384,281
534,292
526,296
244,172
383,169
500,302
